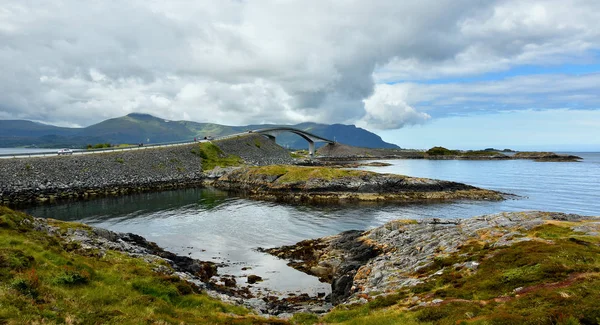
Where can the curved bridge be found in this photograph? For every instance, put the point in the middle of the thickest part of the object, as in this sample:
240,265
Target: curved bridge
309,137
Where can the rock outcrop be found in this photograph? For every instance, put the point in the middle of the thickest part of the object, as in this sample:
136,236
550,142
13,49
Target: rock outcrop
395,255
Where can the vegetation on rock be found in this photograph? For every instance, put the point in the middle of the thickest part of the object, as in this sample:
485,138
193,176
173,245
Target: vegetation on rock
441,151
292,174
212,156
545,156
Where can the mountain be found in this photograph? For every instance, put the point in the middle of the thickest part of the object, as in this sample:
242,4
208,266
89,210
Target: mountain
145,128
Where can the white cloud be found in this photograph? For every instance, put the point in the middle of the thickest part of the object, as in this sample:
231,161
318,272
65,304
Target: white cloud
240,62
387,109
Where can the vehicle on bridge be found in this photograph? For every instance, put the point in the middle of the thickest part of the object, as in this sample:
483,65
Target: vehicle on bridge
64,152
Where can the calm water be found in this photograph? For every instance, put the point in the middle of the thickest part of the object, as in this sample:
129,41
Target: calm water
211,225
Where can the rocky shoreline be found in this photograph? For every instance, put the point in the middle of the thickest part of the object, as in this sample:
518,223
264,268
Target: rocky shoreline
362,265
203,275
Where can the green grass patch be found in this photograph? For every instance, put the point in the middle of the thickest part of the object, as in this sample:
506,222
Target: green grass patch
291,174
212,156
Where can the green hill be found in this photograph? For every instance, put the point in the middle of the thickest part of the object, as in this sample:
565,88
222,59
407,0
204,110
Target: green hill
145,128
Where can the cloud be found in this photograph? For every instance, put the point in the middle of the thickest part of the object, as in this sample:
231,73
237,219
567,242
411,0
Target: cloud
387,109
239,62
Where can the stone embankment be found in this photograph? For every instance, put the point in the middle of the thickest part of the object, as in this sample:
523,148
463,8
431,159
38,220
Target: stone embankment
330,185
31,180
26,181
255,150
404,253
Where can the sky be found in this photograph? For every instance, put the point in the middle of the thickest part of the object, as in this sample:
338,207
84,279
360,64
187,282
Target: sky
458,73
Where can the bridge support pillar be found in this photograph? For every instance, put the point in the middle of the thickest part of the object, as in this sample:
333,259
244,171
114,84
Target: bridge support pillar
311,149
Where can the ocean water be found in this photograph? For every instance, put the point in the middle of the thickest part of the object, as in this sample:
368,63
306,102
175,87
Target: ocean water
213,225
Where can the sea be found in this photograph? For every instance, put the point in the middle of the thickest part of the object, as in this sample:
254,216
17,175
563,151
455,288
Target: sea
216,226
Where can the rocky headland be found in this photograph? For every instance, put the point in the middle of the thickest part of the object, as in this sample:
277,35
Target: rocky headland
285,183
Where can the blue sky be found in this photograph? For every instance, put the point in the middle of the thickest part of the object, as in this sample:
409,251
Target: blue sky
554,130
458,73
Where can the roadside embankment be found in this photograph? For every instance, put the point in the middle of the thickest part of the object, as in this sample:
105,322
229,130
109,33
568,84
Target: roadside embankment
286,183
31,180
527,267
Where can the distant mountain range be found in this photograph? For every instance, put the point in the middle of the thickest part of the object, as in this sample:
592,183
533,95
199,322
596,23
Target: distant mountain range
145,128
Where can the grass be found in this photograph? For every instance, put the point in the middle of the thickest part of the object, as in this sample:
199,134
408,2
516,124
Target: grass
212,156
291,174
47,281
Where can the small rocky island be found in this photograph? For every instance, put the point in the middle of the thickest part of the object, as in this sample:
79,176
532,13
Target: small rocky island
285,183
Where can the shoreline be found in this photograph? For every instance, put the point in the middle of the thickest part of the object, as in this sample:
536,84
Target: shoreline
399,263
